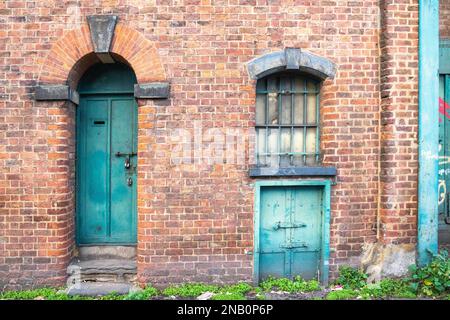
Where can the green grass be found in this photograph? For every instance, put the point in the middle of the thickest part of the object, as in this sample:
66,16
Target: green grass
193,290
292,286
432,280
189,290
146,294
228,296
42,293
344,294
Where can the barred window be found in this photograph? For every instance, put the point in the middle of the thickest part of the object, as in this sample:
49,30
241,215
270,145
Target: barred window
287,121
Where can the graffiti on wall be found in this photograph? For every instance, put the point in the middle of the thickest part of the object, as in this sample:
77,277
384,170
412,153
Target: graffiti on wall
443,109
444,113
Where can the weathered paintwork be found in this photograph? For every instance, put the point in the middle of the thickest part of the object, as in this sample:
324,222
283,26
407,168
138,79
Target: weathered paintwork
292,229
444,156
106,125
427,239
290,232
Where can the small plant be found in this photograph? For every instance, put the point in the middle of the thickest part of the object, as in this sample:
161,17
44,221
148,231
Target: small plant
41,294
228,296
145,294
189,290
112,296
397,288
433,279
344,294
233,292
287,285
351,278
241,288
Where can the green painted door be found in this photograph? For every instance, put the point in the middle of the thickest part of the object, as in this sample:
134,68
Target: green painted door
290,232
106,156
106,170
444,157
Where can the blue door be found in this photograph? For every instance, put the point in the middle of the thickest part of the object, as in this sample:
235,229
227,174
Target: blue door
106,159
290,232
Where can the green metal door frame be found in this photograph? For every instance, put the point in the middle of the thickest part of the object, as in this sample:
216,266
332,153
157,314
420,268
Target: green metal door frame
325,243
427,225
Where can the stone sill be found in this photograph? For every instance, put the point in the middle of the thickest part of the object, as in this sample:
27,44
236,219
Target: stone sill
292,171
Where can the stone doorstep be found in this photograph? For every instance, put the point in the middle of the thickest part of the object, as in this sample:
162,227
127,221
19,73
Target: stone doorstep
100,288
106,252
102,266
98,277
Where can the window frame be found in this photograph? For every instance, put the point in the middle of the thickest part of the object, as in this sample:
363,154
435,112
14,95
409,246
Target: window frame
280,92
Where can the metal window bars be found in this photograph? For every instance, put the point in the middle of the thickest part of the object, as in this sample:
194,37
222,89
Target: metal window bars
292,140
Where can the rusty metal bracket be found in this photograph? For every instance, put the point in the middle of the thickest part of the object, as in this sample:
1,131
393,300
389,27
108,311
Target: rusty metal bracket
281,225
293,245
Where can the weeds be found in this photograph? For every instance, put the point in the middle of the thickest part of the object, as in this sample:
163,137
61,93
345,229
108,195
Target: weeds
292,286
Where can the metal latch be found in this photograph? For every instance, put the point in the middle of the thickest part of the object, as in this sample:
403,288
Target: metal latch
125,154
281,225
292,245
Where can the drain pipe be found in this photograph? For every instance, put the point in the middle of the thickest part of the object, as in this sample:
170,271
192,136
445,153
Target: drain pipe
427,224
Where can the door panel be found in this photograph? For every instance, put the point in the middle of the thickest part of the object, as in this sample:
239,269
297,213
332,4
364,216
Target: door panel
307,208
290,231
93,169
274,203
106,205
122,195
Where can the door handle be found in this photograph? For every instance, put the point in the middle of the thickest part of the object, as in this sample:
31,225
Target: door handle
129,181
125,154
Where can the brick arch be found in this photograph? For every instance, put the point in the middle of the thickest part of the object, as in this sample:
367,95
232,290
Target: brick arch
72,54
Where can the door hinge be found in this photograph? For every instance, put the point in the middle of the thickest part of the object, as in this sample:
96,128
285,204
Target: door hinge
292,245
281,225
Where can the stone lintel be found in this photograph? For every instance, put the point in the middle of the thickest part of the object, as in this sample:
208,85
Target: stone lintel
56,92
152,90
291,59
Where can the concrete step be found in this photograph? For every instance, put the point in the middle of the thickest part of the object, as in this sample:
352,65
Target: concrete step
102,266
100,288
101,270
107,252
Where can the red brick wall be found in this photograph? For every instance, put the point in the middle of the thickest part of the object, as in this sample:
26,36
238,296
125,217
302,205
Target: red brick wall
444,16
399,106
196,221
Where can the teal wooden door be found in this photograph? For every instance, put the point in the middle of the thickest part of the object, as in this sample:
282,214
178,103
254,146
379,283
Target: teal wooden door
444,157
290,232
106,156
106,170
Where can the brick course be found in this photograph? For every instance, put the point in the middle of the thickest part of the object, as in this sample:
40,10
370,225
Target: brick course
195,221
